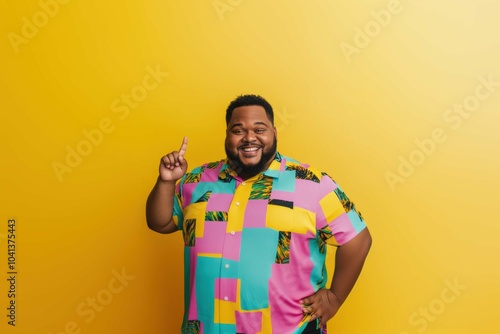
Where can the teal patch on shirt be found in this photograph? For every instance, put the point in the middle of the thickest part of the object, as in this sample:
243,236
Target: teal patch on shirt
258,253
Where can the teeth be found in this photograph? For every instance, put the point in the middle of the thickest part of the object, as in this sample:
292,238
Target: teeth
250,149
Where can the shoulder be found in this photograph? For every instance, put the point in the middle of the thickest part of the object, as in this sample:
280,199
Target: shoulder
207,167
206,170
302,170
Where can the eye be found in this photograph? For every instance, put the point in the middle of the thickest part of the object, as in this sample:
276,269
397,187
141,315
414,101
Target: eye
237,131
260,131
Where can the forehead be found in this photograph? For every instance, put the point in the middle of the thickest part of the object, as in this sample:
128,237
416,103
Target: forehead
249,114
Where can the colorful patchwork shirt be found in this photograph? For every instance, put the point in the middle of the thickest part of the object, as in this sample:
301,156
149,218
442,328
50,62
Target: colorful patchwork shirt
255,247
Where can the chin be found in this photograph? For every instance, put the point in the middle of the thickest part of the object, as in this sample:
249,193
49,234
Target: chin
249,165
251,161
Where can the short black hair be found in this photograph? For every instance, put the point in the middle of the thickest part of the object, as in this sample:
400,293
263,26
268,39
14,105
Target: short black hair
250,100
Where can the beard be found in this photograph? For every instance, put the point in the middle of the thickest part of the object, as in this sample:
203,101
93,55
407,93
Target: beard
250,170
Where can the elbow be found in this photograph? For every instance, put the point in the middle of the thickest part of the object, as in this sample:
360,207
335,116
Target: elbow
152,226
161,227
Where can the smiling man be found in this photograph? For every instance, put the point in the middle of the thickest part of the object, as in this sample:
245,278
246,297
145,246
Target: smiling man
251,139
255,228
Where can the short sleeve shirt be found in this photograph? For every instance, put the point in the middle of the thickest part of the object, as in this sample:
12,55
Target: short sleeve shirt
254,248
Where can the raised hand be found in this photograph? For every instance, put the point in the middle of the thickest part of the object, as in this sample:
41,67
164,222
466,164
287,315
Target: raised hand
173,165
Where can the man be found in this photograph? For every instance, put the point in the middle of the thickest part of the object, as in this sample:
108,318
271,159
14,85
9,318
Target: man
255,229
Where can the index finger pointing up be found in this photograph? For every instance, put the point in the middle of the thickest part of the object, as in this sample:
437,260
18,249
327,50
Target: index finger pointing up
182,150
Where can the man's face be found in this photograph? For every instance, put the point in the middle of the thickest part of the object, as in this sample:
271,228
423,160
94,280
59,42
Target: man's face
250,140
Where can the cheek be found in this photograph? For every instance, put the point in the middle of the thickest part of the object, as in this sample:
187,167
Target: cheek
268,141
231,143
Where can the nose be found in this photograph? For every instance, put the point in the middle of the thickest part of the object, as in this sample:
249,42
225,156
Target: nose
249,137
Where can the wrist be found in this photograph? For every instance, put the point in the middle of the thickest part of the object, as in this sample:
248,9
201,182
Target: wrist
165,182
335,296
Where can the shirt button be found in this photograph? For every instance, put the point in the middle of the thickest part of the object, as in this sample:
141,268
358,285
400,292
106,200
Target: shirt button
226,298
237,203
232,232
226,266
243,183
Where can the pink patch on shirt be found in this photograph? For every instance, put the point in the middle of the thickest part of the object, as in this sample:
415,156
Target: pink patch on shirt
289,283
249,322
187,193
342,229
213,231
231,246
210,175
225,289
283,195
255,213
287,287
219,202
306,193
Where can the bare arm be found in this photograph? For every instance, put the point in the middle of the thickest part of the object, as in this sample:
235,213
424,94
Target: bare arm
160,203
349,261
160,206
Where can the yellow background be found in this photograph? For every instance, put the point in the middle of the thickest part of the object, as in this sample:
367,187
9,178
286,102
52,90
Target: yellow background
354,115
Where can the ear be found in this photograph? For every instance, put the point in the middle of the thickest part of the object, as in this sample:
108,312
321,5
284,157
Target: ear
275,132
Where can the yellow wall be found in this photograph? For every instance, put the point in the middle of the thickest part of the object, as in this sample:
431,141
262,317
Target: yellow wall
397,100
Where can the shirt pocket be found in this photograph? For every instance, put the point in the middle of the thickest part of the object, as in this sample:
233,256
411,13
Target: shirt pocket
283,216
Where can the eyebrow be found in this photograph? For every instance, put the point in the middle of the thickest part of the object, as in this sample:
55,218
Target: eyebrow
256,123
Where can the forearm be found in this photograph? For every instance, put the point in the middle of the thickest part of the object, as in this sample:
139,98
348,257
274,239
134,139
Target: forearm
159,207
349,261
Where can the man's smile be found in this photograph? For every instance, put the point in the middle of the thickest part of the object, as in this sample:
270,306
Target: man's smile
249,151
